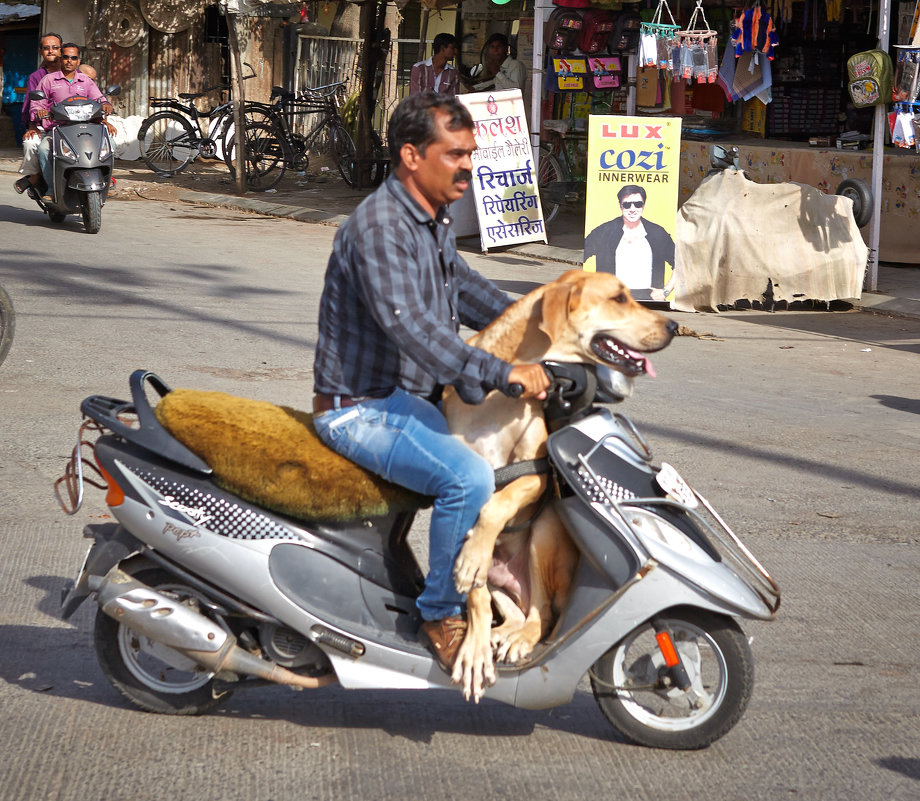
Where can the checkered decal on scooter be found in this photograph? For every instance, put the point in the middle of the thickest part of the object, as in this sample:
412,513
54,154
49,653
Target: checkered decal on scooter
227,518
595,492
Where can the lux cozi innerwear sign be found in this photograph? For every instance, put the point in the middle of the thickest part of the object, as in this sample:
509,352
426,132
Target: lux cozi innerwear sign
631,214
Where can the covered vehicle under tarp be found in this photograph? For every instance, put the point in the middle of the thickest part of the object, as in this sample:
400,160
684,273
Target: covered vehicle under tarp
736,237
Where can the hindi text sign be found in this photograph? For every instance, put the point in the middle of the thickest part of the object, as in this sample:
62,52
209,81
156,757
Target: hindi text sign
504,175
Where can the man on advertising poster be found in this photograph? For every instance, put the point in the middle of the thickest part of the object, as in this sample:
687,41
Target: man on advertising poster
632,248
634,169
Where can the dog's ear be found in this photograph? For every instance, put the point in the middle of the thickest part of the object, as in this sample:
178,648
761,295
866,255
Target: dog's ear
555,307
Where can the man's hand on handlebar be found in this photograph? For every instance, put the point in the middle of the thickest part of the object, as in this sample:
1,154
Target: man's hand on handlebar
532,377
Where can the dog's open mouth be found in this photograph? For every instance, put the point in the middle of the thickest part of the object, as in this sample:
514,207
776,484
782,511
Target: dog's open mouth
613,352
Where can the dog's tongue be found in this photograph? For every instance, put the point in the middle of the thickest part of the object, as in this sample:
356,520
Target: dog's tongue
643,360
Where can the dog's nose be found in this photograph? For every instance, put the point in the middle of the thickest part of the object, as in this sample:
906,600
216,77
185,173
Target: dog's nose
672,327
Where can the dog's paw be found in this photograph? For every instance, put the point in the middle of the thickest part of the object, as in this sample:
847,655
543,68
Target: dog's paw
471,568
512,644
473,668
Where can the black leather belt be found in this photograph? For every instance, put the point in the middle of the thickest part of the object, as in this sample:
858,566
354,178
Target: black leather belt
324,403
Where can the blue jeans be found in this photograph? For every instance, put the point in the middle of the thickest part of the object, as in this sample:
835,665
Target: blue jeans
404,439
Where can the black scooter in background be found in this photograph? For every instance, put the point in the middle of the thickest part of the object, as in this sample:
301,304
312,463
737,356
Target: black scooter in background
83,155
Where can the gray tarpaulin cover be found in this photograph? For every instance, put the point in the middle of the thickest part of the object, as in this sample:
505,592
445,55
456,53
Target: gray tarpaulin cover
734,234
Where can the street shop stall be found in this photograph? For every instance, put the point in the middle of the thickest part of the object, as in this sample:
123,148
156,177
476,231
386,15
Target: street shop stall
770,78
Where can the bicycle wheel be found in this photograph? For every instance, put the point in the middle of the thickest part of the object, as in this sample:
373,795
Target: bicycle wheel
253,113
168,142
264,159
343,149
550,172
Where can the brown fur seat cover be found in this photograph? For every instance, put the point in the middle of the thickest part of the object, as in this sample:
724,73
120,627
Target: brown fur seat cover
271,455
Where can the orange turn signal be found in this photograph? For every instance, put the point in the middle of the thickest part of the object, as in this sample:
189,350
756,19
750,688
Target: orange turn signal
668,651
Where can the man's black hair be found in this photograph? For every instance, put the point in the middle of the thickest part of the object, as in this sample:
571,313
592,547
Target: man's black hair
55,35
71,44
413,121
443,40
498,37
630,189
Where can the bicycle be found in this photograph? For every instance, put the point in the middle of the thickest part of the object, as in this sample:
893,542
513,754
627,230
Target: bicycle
267,161
169,142
561,176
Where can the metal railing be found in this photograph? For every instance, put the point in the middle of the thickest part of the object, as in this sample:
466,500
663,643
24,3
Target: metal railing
323,60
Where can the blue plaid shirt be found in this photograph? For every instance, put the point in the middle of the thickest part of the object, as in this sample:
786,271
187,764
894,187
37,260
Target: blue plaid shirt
396,292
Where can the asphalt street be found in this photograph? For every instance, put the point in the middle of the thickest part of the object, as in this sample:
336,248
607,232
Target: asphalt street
800,427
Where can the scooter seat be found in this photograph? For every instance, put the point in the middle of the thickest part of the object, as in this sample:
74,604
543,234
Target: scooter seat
271,456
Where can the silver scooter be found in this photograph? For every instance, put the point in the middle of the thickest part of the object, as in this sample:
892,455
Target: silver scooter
201,593
83,156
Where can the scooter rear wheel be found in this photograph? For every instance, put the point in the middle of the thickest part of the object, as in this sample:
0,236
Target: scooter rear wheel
152,676
631,686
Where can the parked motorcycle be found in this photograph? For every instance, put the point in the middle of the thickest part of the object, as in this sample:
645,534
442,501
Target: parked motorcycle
201,593
7,323
83,156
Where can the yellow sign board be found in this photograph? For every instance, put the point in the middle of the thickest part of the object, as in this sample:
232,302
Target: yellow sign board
631,215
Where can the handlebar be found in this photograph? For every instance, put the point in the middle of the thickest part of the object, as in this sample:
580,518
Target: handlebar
515,390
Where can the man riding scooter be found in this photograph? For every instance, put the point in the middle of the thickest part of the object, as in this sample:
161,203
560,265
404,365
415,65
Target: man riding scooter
58,86
50,49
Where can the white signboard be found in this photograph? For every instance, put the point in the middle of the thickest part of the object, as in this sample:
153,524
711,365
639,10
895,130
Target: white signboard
504,178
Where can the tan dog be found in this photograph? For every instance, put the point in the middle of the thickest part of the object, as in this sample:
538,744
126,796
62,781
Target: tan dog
580,317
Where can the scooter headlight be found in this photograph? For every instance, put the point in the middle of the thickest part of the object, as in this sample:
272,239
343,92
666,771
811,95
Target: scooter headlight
105,150
82,112
66,150
651,526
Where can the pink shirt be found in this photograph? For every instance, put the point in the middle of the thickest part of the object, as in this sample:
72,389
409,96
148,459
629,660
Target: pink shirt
57,88
34,80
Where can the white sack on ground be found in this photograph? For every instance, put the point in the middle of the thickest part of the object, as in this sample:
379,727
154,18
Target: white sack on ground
734,234
126,128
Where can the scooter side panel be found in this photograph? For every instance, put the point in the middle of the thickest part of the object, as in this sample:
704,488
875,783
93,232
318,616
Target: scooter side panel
314,580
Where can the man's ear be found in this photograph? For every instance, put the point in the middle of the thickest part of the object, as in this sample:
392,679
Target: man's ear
410,156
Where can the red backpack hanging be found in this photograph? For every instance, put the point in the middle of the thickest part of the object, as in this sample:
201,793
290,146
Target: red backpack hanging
562,31
596,27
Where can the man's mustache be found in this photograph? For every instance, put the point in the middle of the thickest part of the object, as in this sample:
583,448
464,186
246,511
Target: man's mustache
463,175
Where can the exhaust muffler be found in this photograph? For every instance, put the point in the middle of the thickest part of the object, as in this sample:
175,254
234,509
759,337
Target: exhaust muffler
168,622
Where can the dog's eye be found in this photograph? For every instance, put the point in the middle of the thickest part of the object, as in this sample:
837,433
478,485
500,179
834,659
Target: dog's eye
621,298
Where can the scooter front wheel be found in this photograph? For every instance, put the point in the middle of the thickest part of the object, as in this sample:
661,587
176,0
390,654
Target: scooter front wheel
633,686
91,206
150,675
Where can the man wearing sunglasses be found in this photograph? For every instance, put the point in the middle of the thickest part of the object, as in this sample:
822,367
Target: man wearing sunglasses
58,86
633,249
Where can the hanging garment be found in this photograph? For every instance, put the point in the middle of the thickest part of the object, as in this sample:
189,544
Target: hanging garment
754,31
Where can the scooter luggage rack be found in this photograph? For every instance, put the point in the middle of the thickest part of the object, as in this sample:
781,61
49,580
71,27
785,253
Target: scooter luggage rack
133,421
729,547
